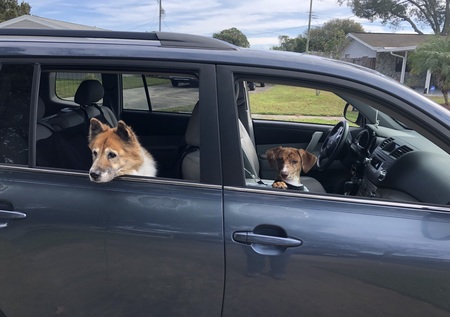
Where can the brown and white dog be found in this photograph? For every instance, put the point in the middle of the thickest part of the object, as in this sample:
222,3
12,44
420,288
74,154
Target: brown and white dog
116,152
289,163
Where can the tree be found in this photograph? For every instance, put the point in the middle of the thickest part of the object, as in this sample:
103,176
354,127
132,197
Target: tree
434,55
233,36
10,9
331,37
297,44
328,38
434,13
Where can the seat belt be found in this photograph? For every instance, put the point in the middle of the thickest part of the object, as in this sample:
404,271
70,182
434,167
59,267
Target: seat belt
314,140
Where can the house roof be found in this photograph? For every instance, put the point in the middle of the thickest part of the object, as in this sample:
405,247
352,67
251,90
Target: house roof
389,42
35,22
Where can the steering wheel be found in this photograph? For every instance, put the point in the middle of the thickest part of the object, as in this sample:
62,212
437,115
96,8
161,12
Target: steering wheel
333,145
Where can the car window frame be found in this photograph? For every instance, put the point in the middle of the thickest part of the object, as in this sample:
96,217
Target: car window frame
211,171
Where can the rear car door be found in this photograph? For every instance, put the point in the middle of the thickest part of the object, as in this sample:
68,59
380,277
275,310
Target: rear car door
52,234
297,253
136,246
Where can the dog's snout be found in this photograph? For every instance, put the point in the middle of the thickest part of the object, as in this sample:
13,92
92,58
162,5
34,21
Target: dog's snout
284,174
94,175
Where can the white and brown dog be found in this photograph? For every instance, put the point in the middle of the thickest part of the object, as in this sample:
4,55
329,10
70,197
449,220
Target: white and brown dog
289,163
116,152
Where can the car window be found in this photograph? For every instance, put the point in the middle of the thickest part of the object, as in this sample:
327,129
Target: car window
271,101
156,108
166,93
300,138
15,93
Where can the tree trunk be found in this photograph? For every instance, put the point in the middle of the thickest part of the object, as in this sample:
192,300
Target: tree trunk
445,93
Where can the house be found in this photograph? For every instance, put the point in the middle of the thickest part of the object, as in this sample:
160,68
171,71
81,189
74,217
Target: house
35,22
386,53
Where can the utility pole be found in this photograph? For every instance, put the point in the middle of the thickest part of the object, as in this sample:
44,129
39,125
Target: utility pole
160,14
309,26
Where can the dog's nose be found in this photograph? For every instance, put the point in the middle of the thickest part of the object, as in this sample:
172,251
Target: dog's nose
94,176
284,174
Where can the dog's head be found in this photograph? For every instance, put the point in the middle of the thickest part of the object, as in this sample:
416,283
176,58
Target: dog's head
115,151
290,162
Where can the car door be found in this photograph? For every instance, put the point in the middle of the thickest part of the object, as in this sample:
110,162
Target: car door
52,226
135,246
298,253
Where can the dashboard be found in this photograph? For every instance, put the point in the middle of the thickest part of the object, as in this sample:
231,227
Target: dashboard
401,165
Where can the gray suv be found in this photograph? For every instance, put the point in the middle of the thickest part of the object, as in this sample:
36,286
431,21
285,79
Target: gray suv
367,234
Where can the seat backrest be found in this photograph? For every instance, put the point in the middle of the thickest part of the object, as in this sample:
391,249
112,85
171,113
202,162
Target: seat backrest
251,162
190,157
190,164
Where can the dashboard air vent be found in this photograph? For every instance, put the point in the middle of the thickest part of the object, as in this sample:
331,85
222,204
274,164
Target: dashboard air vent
401,151
386,142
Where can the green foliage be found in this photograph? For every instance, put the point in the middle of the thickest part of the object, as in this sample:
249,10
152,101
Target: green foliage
328,39
233,36
297,44
434,55
10,9
417,13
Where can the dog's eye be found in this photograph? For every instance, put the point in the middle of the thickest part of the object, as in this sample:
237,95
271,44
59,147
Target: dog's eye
94,153
294,162
111,155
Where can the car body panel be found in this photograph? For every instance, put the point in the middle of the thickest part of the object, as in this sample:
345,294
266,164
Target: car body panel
355,258
81,246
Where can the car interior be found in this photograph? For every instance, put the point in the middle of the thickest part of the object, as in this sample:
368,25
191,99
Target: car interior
376,156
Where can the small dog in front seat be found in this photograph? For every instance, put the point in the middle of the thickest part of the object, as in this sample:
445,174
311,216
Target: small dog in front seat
289,163
117,151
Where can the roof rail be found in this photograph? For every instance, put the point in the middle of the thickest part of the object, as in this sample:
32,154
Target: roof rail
167,39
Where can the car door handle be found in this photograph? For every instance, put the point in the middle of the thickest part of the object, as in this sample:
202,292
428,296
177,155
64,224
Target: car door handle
9,215
254,238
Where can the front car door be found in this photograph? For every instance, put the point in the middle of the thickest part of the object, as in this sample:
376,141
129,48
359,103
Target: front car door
302,253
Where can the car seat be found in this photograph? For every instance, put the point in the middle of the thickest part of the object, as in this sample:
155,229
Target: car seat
190,164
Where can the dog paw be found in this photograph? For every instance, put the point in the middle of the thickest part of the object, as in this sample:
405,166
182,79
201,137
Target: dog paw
279,185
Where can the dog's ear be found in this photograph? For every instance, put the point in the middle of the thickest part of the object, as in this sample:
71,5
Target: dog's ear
308,160
271,155
96,128
124,132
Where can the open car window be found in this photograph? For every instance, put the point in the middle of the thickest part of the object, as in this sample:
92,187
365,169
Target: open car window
371,155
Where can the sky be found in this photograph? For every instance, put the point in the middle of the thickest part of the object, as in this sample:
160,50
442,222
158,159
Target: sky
262,21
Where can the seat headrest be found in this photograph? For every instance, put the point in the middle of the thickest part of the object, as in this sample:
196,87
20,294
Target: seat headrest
89,92
192,136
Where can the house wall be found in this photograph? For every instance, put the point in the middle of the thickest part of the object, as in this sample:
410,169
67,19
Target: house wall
355,49
386,65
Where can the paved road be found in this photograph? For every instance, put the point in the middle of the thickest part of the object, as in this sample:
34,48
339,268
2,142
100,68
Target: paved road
162,96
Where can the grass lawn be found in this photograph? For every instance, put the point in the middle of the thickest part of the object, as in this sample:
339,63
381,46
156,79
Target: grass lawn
297,101
288,100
